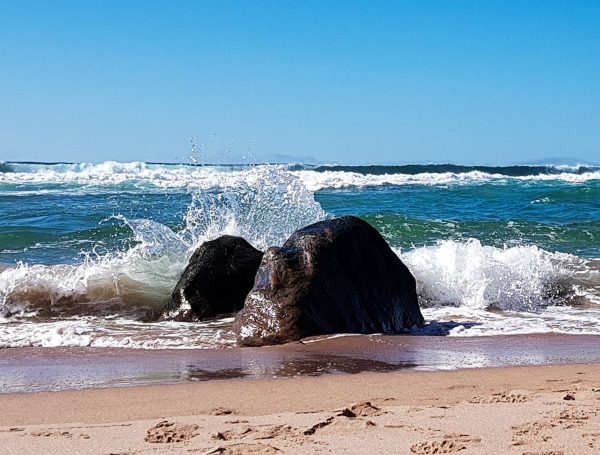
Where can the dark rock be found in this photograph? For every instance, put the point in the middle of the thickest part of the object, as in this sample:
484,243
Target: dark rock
335,276
216,281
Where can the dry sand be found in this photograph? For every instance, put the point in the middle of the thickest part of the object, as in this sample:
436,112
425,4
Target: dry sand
514,410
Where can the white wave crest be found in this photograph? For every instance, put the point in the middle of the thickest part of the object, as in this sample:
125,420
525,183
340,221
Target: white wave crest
118,333
341,179
211,177
112,173
470,275
265,208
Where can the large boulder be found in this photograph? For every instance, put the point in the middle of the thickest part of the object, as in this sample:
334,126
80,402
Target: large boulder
216,281
335,276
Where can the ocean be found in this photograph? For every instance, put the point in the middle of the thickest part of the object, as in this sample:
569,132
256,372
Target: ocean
89,253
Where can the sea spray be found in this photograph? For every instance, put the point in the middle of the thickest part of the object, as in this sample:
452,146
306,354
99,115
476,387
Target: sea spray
471,275
265,208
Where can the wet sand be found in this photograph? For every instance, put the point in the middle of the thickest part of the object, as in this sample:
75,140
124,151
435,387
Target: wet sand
39,369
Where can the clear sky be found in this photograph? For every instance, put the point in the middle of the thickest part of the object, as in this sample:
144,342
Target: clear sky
490,82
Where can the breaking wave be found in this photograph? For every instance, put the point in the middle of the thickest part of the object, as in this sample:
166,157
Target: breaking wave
520,278
468,289
265,208
206,177
465,289
112,298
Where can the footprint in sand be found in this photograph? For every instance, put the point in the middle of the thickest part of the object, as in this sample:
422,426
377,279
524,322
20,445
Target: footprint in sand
451,443
352,416
47,434
507,397
243,449
167,432
362,409
220,412
257,432
573,417
593,440
565,419
58,434
532,428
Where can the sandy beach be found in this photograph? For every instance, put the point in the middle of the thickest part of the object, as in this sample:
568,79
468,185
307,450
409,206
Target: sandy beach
521,410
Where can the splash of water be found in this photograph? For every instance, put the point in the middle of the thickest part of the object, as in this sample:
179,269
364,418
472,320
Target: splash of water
468,274
265,207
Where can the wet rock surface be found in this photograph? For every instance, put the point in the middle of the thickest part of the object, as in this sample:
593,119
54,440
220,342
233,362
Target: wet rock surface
334,276
216,281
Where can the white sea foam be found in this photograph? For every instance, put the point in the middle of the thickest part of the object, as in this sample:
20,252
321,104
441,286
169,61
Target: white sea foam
118,333
110,173
468,322
468,289
265,210
465,289
341,179
468,274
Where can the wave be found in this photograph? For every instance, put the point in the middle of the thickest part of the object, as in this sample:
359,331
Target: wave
408,169
458,274
137,282
468,289
464,288
205,177
470,275
118,333
102,300
336,179
414,169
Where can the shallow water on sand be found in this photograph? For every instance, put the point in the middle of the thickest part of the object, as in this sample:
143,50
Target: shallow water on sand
32,370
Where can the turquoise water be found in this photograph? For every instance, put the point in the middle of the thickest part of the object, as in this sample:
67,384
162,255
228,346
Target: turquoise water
89,251
553,215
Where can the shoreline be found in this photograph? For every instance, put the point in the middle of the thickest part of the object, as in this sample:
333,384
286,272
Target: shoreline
523,409
51,369
204,398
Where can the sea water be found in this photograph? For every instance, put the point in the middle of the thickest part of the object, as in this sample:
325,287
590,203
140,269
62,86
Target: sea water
90,253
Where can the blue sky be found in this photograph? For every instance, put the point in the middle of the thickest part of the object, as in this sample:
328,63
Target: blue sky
350,82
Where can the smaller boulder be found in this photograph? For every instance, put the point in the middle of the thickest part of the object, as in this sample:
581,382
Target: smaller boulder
216,281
